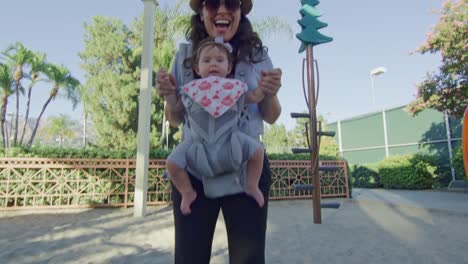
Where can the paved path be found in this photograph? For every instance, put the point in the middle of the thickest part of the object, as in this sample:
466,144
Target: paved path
444,201
376,226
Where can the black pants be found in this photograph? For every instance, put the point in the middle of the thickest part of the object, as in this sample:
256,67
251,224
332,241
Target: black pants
245,224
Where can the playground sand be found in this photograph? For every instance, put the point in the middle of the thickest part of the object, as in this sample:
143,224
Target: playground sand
355,233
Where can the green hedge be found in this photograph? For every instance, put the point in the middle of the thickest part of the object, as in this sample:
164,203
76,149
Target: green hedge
458,164
291,156
407,172
98,153
86,153
365,176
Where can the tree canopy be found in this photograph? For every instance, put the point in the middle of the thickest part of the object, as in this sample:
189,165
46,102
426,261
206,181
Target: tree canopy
60,127
111,59
446,89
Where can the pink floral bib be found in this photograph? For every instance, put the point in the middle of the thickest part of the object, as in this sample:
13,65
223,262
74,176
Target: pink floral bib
215,94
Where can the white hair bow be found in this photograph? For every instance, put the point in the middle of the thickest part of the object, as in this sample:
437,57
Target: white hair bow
220,39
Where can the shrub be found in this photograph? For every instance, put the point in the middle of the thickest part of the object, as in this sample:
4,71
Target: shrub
365,177
458,164
407,172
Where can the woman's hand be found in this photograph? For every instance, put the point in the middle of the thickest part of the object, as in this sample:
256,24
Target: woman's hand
166,87
270,82
165,84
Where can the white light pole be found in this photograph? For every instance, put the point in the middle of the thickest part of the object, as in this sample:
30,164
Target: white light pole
167,135
85,138
141,181
163,125
60,141
9,133
375,72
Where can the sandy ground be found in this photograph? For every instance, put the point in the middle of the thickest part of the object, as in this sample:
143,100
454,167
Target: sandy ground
358,232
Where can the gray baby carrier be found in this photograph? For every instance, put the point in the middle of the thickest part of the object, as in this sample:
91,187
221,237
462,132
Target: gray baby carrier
215,149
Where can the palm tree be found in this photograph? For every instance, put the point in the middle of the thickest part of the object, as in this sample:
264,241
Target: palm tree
37,66
61,78
18,56
6,89
60,126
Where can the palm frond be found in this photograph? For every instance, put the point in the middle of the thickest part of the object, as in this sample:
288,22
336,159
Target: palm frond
17,54
272,26
38,63
6,80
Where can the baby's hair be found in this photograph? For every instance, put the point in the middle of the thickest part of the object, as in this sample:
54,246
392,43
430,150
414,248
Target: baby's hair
211,43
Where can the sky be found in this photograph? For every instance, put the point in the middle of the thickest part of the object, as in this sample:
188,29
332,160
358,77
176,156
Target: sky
366,34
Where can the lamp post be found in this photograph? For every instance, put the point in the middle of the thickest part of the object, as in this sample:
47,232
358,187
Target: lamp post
10,131
60,141
375,72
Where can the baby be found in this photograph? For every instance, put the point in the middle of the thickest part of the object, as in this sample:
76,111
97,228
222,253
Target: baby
215,146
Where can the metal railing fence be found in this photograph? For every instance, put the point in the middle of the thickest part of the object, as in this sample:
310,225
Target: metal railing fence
27,183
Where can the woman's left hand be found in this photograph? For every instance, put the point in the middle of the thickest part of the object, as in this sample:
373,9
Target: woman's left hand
270,82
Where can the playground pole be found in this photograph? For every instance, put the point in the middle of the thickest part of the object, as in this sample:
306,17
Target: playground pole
313,136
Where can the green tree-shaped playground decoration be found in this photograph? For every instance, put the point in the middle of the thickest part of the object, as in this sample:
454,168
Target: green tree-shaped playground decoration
310,37
310,25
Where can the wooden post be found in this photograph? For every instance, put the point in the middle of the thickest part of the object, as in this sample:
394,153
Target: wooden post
313,137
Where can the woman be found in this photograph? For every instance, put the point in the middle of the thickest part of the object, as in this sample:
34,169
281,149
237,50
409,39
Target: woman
245,220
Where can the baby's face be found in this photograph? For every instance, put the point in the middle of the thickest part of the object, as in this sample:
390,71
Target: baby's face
213,62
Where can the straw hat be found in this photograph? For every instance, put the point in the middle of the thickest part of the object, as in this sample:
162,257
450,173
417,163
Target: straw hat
246,5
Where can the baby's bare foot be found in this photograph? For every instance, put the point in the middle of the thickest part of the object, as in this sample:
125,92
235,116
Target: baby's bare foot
256,194
187,200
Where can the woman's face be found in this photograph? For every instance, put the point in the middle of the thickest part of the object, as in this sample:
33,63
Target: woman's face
220,21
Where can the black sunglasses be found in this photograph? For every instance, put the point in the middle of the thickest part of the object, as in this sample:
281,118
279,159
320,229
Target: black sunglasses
213,5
